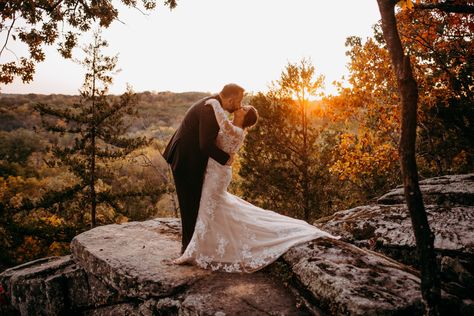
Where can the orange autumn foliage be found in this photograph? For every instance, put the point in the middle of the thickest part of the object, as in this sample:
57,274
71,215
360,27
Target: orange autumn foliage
368,116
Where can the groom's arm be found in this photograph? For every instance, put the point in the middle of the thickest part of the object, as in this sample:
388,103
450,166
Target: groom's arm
208,129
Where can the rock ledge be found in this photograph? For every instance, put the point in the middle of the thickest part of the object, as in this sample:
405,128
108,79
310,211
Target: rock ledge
123,269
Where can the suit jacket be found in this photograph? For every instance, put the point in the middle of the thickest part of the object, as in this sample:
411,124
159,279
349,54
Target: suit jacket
195,140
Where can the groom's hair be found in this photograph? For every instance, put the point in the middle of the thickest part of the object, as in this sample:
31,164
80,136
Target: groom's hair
250,118
231,90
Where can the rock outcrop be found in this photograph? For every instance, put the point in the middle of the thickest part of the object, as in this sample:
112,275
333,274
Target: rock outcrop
346,280
386,227
124,269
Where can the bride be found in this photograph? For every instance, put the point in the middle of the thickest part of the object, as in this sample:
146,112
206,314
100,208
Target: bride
231,234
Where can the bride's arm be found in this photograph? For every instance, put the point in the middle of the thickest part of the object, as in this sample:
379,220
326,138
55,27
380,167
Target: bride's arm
235,133
229,128
225,124
208,129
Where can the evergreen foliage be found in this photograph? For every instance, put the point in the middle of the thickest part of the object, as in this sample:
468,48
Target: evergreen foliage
99,125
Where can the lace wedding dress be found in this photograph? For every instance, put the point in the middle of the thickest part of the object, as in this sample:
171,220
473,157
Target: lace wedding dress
232,234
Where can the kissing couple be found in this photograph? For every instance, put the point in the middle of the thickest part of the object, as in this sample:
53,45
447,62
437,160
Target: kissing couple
221,231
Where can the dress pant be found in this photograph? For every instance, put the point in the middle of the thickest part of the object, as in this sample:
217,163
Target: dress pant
188,189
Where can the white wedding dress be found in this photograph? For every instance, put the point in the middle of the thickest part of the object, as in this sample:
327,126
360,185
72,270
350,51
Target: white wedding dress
232,234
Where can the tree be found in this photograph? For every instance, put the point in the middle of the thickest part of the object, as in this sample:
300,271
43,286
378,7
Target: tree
99,125
408,90
366,152
289,172
442,46
41,22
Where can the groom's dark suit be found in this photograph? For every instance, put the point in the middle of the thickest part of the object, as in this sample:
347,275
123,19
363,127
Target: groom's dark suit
188,152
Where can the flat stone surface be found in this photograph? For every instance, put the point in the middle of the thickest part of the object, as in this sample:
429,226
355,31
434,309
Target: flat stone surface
391,225
151,307
347,280
130,258
240,294
446,190
41,266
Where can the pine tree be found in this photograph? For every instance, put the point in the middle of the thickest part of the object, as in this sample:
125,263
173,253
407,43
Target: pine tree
98,126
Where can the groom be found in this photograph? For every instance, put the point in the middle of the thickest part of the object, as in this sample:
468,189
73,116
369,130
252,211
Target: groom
190,148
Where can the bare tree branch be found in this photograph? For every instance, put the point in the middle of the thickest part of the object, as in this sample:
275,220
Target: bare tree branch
8,36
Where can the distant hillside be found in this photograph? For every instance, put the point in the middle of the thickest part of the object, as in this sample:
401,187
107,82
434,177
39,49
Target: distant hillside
160,109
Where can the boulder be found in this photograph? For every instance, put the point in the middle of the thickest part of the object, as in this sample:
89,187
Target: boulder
346,280
36,287
448,190
386,228
131,258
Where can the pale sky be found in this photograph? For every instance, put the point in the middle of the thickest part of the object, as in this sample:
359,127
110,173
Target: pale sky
186,50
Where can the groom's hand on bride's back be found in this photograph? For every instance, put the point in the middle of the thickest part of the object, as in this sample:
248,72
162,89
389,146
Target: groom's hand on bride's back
231,160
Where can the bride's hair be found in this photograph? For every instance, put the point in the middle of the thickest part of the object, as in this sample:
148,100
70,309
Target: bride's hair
250,117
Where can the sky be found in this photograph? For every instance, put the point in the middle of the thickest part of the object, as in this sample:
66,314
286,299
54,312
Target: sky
203,44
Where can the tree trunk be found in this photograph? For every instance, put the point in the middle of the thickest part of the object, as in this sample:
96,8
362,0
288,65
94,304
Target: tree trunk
408,91
93,135
92,183
305,156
